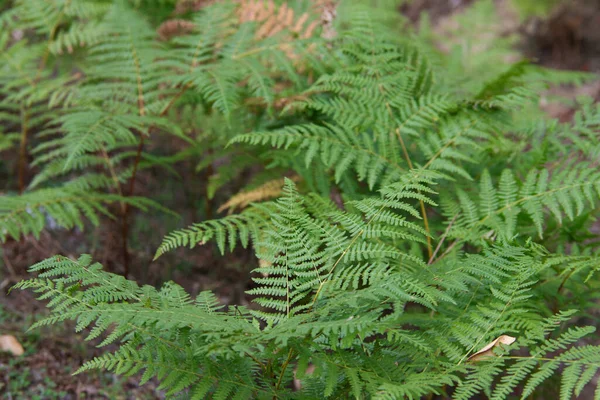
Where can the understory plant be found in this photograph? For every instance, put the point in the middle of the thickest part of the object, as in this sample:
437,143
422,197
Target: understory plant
419,231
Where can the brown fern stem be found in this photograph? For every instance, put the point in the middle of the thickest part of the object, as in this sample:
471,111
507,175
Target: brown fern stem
23,149
138,157
124,242
125,221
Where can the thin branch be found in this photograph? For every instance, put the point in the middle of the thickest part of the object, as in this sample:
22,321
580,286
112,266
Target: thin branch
442,240
448,250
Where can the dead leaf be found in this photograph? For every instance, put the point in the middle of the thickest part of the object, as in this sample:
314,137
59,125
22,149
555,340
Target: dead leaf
297,382
10,344
488,351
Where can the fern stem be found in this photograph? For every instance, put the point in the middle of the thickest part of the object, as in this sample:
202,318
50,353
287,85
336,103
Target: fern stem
142,113
437,248
426,224
421,202
113,175
283,368
448,250
51,36
125,221
410,165
168,106
564,281
23,149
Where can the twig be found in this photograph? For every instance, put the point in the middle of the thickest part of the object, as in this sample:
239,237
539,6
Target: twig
448,250
442,240
9,266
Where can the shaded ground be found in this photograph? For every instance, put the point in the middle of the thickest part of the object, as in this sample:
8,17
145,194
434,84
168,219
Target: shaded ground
569,39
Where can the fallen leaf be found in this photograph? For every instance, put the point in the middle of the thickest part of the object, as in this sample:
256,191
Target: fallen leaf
488,351
10,344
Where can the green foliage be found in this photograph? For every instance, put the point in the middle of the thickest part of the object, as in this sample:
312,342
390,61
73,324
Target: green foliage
65,207
432,209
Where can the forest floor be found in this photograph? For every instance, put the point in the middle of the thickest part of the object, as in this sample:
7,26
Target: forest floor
567,39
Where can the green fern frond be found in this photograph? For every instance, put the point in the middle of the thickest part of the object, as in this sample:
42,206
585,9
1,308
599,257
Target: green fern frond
567,192
30,213
244,227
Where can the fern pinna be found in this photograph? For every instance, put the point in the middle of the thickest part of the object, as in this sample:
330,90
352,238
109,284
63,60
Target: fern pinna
422,221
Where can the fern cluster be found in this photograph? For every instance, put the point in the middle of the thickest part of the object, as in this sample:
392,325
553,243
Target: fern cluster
423,219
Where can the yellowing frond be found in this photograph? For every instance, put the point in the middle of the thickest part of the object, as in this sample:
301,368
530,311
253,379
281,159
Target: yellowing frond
266,191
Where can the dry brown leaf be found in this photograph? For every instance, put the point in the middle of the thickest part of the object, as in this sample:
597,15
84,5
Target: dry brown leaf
488,351
10,344
184,6
267,190
174,27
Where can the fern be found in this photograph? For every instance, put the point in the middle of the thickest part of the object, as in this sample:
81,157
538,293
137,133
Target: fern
58,207
432,210
566,193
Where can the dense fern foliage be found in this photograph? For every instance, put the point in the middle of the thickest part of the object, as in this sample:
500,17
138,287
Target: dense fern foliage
420,230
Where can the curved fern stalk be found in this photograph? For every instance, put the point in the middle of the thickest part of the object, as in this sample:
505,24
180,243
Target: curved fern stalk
380,215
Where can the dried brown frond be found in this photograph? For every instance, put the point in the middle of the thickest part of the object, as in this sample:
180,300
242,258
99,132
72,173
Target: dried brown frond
174,27
267,190
184,6
327,9
274,19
